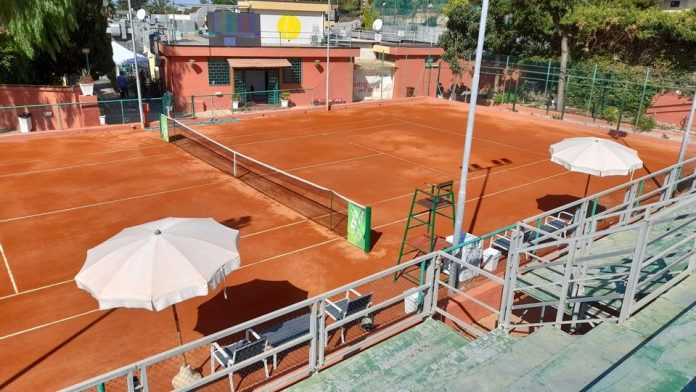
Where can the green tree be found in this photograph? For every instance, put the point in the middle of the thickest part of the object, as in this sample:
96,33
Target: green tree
136,4
29,26
232,2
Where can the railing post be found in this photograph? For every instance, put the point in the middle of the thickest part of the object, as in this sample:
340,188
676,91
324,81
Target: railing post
565,285
628,201
313,344
129,381
634,273
234,164
143,379
430,279
321,320
123,113
510,279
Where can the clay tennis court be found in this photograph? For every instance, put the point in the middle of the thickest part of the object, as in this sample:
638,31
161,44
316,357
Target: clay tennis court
64,195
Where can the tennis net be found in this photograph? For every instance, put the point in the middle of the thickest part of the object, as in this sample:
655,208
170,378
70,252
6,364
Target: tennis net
318,203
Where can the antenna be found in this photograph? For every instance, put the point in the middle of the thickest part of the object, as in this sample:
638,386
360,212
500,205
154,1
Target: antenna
377,25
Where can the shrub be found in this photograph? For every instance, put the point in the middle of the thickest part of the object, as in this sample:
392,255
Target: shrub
285,95
646,123
500,98
610,114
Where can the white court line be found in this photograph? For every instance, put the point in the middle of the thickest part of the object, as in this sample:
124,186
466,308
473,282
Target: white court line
80,155
9,271
47,324
457,181
36,289
112,201
488,195
82,165
475,137
334,162
302,136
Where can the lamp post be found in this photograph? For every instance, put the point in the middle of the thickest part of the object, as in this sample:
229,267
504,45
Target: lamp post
328,44
461,199
86,52
141,16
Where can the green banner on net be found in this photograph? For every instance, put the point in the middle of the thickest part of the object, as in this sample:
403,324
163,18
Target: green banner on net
359,226
164,128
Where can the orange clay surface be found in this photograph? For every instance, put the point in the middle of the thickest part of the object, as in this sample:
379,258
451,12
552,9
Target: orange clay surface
61,196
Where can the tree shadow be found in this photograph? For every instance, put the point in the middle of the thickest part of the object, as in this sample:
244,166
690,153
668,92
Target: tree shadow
244,302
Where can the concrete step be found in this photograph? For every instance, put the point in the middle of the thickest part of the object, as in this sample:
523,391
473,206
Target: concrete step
664,362
397,357
581,362
510,364
457,362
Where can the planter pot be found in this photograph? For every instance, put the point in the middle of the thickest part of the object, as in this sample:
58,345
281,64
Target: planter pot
87,89
235,104
284,102
102,120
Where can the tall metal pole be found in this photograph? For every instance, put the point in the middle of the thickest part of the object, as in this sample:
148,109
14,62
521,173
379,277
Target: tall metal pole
461,198
328,43
135,64
687,130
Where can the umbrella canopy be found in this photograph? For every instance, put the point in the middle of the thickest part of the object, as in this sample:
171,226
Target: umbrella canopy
160,263
595,156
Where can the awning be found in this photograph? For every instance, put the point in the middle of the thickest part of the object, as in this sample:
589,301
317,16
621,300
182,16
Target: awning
374,64
259,63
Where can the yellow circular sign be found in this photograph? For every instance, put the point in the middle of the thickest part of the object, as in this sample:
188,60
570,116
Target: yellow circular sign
289,27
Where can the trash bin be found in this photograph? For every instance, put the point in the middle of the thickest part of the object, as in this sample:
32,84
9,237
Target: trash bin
24,122
410,91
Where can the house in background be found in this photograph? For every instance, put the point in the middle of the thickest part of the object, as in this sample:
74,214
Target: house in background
677,5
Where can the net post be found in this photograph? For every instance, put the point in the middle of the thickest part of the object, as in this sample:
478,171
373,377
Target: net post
331,210
234,164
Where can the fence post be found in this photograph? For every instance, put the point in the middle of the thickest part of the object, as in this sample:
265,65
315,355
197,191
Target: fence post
193,108
589,101
313,344
430,278
548,73
123,113
634,273
565,97
642,96
514,99
623,102
321,352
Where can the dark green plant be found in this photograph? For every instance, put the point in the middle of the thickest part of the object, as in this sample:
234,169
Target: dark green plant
646,123
610,114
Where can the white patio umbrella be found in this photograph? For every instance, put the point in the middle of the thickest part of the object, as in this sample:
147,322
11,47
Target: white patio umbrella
596,157
160,263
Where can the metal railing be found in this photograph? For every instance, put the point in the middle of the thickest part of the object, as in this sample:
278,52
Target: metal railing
227,104
605,266
69,115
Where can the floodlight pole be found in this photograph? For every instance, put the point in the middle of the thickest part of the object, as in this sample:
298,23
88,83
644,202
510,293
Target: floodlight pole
687,130
135,64
461,197
328,44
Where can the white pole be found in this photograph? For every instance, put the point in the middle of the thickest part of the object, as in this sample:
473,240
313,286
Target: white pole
469,133
328,43
135,64
687,130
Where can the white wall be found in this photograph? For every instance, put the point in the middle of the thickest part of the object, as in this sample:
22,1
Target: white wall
310,24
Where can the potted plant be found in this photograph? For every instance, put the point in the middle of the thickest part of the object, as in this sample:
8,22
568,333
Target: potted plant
86,83
235,101
284,98
102,116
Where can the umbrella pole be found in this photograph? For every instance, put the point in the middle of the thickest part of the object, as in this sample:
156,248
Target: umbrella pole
178,331
587,185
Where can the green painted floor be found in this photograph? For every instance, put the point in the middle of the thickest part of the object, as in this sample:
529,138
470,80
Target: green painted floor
654,351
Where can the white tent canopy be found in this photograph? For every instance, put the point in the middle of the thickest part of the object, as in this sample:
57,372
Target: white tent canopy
123,56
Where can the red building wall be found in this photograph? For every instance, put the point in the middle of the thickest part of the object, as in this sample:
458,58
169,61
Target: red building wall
63,117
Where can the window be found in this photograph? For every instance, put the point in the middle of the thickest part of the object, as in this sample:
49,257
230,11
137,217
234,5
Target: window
675,4
293,74
218,72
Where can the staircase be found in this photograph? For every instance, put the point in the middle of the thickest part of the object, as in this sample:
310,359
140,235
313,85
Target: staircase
654,351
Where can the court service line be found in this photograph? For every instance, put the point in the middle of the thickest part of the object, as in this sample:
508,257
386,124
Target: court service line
82,165
303,136
291,252
9,271
488,195
81,155
113,201
334,162
390,155
458,181
48,324
309,128
36,289
475,137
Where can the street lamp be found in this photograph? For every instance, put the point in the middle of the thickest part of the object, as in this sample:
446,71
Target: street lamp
86,52
141,16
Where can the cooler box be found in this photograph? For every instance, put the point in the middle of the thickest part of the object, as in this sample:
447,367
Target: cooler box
491,257
411,303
